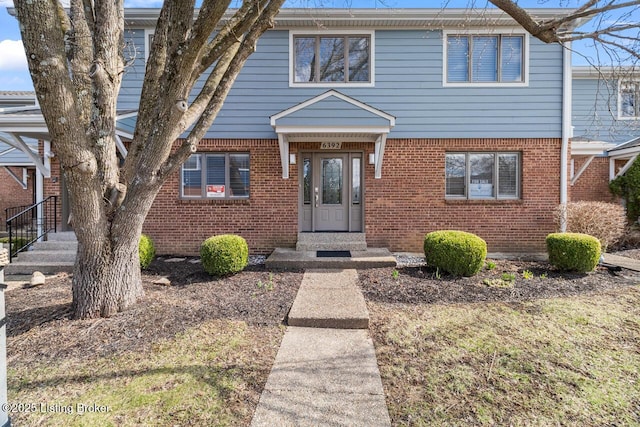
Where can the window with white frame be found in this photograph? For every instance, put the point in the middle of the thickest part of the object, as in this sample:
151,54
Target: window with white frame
328,59
629,94
482,175
215,176
485,58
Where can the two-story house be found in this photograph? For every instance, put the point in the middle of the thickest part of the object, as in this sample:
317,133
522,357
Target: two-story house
390,123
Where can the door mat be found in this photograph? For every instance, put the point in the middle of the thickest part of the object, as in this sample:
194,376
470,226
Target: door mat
333,254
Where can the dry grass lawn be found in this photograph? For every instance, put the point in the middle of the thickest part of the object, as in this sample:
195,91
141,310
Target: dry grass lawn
563,361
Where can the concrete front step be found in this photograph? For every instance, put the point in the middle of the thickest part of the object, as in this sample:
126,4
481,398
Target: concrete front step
56,245
64,236
331,242
287,259
46,256
24,268
329,299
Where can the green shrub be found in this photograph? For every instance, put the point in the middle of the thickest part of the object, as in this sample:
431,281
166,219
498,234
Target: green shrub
146,250
456,252
573,251
224,254
627,186
17,243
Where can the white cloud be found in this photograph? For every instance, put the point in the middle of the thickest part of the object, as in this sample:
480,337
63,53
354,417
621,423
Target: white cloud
6,3
13,56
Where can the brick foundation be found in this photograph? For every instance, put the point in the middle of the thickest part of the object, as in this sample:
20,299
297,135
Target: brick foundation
399,208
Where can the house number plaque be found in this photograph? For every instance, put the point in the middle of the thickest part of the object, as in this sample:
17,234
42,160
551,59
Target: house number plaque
331,145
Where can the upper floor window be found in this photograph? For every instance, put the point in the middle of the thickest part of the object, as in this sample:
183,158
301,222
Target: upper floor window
216,176
629,94
485,59
323,59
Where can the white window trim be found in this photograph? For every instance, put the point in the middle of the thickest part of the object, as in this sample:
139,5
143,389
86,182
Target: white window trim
473,32
620,84
147,46
372,57
467,166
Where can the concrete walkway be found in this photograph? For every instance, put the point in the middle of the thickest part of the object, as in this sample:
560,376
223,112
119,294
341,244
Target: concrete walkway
325,376
621,261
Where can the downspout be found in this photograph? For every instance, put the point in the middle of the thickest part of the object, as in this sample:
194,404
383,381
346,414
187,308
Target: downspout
566,129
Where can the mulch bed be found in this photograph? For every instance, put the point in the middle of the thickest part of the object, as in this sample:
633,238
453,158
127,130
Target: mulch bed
424,285
39,324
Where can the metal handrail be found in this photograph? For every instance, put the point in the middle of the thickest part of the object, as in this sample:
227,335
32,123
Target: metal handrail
31,224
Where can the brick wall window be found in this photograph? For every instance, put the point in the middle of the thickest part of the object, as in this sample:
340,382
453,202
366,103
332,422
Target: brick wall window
215,176
483,175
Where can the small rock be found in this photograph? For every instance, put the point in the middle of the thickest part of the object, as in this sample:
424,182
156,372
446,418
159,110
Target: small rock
37,279
195,261
162,281
175,260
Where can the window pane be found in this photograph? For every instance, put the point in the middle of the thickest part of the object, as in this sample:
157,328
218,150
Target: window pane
239,175
358,59
304,59
216,176
628,101
306,180
192,177
331,59
332,181
355,180
455,174
508,175
485,59
481,175
511,59
457,59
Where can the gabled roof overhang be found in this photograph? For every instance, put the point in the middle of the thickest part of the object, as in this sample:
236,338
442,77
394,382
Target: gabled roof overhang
332,116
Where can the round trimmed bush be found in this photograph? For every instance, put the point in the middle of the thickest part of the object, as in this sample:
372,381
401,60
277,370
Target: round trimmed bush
224,254
573,251
456,252
146,251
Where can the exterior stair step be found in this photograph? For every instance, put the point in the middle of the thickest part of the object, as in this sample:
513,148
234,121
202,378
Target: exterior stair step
27,268
331,242
55,255
46,256
290,259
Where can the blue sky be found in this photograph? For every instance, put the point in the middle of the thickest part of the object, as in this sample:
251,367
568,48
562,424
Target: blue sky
13,67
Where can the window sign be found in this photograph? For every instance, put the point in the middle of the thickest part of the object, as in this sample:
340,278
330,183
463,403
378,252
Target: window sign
215,190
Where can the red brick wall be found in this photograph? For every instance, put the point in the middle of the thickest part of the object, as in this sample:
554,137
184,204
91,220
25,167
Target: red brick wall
12,194
593,184
409,199
267,220
399,208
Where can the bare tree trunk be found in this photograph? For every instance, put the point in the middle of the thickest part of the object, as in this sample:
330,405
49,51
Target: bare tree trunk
105,280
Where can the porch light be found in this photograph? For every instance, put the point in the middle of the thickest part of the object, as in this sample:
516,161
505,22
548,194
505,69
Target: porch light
372,158
292,159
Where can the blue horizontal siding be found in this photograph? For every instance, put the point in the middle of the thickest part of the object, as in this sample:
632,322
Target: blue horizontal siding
595,112
408,85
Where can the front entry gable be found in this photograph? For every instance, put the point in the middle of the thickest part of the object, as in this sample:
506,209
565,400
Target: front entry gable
332,116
